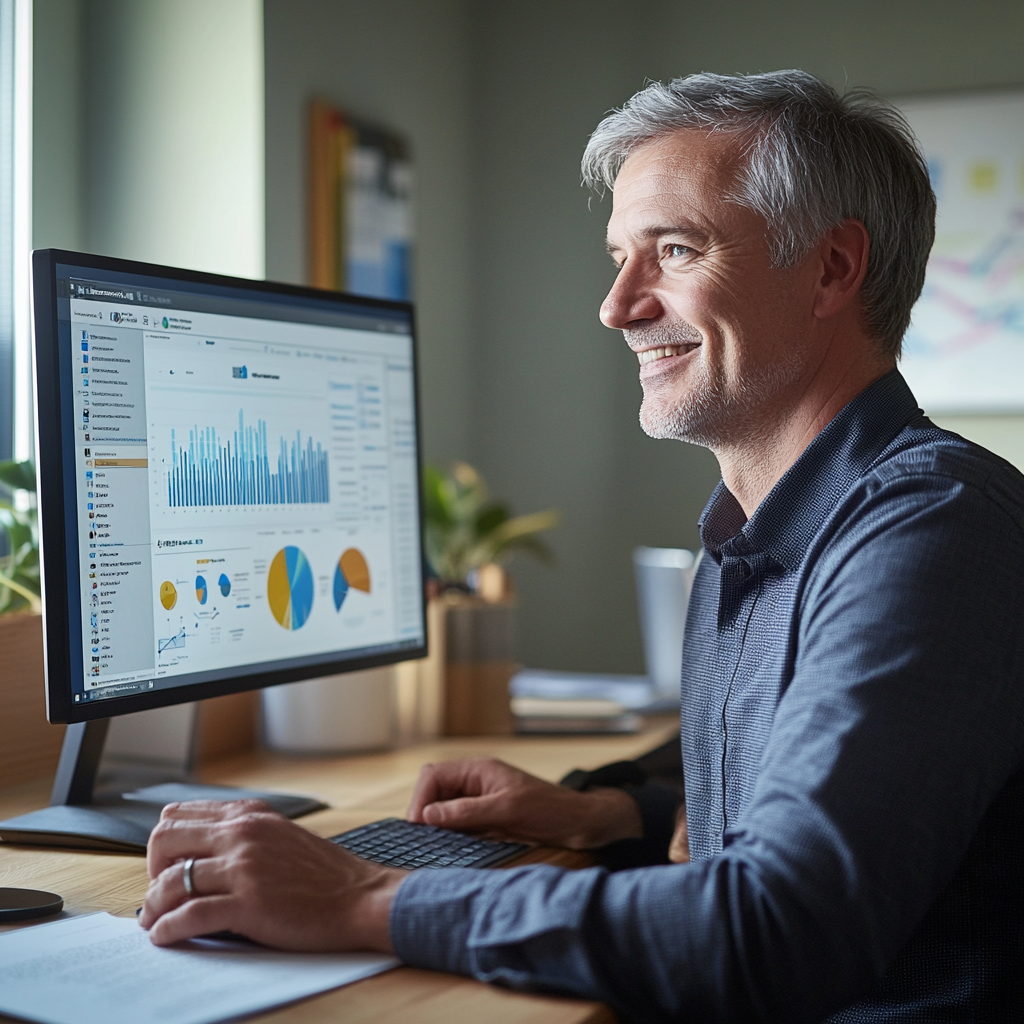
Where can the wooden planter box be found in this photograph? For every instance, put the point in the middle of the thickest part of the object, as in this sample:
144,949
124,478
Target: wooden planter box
479,652
461,687
29,745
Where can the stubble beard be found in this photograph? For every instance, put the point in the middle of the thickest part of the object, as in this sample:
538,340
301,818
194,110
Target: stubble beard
710,410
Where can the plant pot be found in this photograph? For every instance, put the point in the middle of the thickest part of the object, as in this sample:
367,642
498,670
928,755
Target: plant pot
479,638
29,745
333,715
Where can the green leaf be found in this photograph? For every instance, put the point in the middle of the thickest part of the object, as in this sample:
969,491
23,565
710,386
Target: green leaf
19,569
464,529
18,476
490,518
534,545
29,595
521,526
436,504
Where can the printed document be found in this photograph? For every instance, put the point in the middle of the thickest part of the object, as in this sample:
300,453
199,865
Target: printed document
100,969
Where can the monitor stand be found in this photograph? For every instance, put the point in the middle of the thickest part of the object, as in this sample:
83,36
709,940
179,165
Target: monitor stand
79,818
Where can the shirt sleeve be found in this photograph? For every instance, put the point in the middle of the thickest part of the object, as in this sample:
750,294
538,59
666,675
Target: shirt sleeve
901,724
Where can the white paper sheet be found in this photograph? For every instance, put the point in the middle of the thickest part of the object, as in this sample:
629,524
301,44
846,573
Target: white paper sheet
100,969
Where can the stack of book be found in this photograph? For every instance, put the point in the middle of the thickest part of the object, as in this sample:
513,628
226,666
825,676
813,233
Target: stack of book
578,702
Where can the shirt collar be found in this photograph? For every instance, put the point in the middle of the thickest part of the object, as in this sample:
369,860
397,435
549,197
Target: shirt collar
786,521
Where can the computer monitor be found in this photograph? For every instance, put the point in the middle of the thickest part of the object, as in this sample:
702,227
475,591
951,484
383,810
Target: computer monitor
229,481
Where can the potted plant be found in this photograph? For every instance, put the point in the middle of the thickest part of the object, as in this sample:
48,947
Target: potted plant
19,567
469,538
29,746
467,532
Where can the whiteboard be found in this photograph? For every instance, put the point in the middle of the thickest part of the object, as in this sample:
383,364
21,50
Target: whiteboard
964,351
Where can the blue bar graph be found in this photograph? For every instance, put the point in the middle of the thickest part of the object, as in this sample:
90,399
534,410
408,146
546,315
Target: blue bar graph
239,472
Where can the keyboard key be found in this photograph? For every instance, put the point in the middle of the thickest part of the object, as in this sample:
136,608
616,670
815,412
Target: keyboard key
397,843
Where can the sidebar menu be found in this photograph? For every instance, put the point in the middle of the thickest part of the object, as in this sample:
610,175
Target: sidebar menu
113,509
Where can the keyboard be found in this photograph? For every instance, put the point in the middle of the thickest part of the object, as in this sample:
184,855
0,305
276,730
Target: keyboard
396,843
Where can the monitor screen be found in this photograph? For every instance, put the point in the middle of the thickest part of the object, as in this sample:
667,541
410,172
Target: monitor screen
229,484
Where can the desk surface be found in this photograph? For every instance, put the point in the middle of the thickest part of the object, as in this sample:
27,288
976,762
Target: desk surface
359,788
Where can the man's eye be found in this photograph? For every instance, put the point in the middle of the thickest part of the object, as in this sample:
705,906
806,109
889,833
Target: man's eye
677,249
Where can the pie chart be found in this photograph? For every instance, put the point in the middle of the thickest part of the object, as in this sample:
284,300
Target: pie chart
351,571
201,590
168,594
290,588
225,584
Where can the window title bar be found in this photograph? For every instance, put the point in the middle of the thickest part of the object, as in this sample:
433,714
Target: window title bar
290,310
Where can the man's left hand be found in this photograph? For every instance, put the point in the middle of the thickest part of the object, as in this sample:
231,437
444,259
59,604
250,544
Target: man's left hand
256,873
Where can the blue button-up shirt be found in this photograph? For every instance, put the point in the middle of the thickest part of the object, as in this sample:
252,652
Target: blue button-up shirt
853,743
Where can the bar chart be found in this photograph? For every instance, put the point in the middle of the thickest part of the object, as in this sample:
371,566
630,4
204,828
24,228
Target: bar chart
241,471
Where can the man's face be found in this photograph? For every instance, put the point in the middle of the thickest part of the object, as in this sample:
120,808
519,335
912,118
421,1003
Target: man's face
724,340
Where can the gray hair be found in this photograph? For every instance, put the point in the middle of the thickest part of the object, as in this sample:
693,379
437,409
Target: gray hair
812,159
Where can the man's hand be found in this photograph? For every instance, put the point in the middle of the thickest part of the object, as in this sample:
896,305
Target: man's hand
263,876
487,796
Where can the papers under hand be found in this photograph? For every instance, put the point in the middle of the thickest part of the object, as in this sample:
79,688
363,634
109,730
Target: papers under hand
101,969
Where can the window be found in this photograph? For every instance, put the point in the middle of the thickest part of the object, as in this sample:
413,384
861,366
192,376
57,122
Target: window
15,228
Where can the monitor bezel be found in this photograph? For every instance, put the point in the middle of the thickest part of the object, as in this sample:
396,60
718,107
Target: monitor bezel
57,534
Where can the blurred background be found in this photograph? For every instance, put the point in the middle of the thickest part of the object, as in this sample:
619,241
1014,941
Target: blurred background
175,131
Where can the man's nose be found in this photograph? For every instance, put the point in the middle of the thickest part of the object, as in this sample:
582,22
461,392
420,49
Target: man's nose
630,299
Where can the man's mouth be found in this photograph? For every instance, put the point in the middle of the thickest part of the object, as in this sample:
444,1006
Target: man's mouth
651,355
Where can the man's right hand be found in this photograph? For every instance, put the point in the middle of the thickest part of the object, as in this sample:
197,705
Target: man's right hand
487,796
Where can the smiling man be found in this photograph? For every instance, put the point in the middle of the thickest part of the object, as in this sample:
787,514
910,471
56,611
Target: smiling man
853,707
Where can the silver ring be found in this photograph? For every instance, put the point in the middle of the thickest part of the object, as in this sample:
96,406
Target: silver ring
187,878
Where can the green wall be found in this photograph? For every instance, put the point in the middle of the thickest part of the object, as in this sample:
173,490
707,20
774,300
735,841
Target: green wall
405,64
557,393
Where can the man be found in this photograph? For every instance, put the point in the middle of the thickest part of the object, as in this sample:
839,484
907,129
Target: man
853,720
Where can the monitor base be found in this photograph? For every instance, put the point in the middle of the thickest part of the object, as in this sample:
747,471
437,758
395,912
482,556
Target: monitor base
122,822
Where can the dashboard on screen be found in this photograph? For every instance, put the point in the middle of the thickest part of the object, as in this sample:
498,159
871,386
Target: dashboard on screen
239,478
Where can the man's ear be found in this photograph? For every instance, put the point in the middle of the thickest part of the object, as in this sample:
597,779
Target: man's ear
843,256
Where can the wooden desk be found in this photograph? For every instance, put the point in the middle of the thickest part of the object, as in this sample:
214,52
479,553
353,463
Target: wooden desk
359,789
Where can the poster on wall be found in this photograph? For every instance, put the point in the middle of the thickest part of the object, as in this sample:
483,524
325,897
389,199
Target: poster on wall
964,352
360,206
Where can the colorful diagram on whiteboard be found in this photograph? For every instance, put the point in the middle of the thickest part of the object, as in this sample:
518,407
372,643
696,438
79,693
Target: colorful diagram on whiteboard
964,351
225,585
290,588
202,591
351,572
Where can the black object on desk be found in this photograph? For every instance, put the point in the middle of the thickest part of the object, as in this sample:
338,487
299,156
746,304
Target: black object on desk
24,904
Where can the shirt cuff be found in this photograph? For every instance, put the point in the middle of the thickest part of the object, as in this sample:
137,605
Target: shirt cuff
515,926
431,917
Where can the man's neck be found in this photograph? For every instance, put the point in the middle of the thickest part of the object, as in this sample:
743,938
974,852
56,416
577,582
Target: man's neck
751,467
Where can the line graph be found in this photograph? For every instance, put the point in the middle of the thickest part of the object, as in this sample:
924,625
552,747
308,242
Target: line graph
210,471
968,300
172,643
964,350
